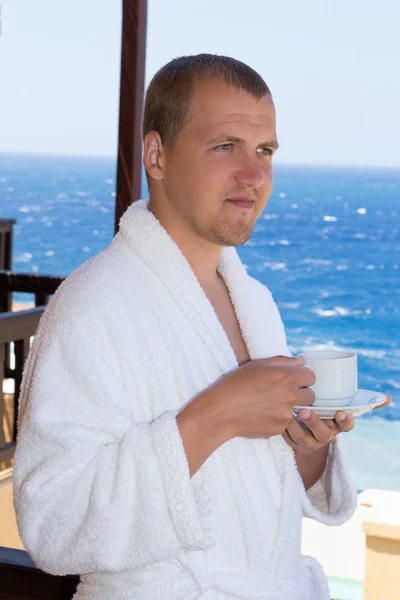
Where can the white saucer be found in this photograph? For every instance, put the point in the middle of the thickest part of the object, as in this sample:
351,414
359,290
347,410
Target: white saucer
363,401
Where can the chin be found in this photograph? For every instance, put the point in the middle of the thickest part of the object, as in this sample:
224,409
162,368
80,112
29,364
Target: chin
240,241
224,239
229,234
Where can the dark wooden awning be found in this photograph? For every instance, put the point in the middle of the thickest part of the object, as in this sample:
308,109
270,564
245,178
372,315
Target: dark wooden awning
133,58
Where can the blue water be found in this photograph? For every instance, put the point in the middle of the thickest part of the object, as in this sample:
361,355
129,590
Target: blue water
327,245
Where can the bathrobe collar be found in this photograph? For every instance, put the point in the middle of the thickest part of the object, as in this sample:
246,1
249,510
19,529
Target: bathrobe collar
146,236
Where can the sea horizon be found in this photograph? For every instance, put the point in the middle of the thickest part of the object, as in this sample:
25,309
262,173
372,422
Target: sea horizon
276,163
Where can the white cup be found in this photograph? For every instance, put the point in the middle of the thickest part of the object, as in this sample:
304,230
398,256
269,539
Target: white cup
336,376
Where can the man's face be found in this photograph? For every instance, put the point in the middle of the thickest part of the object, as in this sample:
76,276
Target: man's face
224,154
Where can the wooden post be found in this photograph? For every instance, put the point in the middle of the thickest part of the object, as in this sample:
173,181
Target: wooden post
6,250
133,54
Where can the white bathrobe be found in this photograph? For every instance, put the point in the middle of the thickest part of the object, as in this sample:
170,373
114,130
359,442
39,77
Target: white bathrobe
101,481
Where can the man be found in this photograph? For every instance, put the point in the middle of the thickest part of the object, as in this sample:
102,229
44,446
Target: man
158,456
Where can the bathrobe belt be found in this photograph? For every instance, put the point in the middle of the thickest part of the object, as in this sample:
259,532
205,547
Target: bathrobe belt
307,583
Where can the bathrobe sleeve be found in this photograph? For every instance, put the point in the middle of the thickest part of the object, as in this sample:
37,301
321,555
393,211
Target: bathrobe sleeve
333,498
94,490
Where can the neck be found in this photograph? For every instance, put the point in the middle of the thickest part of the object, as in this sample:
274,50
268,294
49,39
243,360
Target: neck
201,255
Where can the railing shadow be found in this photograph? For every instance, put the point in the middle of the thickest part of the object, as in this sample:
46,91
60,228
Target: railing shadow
21,580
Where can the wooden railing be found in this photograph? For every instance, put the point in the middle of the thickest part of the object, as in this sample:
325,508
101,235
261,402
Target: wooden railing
17,329
41,286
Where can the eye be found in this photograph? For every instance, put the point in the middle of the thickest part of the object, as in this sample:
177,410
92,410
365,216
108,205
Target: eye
224,147
265,150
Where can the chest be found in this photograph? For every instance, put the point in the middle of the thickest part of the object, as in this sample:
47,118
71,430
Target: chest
225,312
229,322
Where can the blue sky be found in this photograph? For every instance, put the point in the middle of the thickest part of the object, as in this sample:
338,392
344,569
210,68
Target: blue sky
332,67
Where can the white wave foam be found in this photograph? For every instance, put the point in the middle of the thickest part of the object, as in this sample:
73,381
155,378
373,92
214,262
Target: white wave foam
275,266
25,257
26,208
323,232
291,305
393,383
330,219
315,261
371,353
338,311
309,344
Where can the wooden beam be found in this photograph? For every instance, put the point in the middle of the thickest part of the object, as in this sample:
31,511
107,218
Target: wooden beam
133,55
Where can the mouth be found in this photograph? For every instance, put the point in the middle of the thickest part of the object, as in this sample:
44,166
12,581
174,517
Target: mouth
241,202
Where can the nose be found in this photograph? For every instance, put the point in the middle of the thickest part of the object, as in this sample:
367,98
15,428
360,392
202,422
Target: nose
251,173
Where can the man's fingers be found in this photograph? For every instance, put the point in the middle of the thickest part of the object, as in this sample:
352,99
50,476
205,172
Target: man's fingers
305,397
304,377
344,421
301,437
324,430
387,402
283,361
321,431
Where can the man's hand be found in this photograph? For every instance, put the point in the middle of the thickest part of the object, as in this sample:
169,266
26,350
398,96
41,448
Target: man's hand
318,432
255,401
310,438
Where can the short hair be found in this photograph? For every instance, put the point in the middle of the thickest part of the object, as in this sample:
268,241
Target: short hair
169,95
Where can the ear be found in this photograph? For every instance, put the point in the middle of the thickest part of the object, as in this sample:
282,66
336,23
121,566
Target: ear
153,154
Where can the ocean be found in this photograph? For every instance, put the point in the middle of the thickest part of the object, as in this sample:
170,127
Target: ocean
327,246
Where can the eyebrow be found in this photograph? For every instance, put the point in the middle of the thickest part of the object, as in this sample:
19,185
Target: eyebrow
236,140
